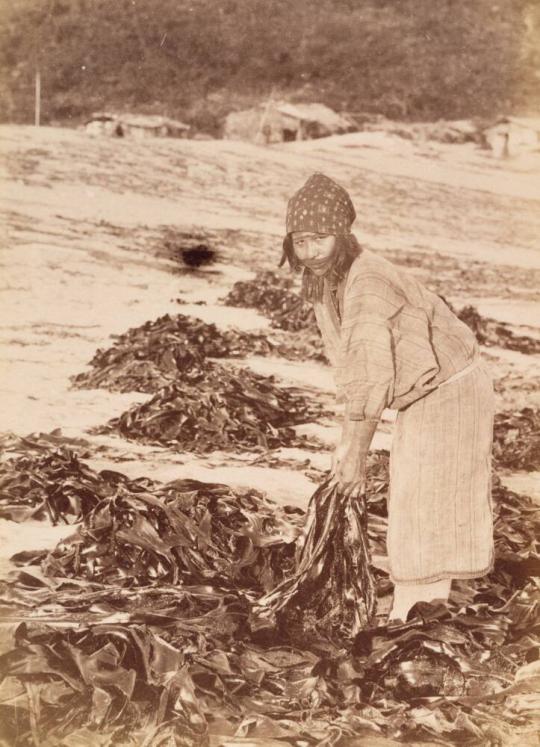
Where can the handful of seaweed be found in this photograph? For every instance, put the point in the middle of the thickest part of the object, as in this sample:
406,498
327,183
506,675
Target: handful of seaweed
272,294
215,407
331,590
516,442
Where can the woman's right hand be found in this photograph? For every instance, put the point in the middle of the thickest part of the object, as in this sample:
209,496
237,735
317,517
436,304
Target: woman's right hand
347,470
349,458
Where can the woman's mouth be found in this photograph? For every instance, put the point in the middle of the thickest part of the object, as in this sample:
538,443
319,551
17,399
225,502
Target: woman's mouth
317,264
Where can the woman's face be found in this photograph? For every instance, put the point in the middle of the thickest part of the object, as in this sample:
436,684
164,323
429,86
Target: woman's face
314,250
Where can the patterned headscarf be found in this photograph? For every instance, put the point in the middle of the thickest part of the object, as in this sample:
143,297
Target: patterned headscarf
320,206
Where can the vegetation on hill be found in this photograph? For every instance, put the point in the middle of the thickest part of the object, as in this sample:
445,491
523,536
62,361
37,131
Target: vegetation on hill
198,60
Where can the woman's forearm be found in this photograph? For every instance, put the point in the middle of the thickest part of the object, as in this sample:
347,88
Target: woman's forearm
356,438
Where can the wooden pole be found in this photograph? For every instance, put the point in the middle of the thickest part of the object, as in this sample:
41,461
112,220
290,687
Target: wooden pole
37,116
259,137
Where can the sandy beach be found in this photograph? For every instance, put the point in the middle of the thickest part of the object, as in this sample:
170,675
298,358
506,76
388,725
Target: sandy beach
84,256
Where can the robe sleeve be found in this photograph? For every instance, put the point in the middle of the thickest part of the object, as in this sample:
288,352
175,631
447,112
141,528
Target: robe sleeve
366,366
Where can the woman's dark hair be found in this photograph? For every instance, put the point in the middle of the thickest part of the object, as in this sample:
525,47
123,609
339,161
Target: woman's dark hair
346,249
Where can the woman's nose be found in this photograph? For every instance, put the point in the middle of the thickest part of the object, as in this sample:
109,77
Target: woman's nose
310,250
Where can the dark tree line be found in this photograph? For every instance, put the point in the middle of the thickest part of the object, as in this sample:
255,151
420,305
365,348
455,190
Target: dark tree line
408,59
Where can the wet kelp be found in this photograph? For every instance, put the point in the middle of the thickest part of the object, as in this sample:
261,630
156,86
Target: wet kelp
159,352
332,589
147,681
185,532
275,296
137,531
155,676
491,333
216,407
90,681
43,477
56,485
134,653
517,439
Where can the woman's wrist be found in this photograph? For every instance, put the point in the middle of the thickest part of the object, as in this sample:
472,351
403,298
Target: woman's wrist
358,433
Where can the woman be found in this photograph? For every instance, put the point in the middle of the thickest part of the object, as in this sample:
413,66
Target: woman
395,344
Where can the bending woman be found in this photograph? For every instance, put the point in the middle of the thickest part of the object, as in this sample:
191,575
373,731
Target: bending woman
395,344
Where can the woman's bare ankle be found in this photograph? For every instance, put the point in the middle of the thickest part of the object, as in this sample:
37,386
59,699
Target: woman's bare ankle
407,595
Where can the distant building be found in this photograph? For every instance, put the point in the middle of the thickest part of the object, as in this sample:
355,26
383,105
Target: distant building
277,122
138,126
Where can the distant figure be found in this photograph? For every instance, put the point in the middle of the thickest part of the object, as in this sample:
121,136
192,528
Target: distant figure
395,344
501,144
506,145
267,134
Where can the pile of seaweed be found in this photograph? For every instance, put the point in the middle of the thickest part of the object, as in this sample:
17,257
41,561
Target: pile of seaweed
158,352
138,530
185,532
517,439
490,332
215,407
274,295
52,484
139,630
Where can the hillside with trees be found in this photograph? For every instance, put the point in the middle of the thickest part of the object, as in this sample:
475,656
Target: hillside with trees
197,61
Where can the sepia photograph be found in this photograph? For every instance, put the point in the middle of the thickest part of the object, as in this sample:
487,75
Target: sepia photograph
270,373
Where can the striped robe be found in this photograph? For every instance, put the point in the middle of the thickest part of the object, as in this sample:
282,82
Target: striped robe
394,344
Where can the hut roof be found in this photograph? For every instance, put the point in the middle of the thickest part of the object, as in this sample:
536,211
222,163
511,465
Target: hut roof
315,113
144,121
148,121
529,123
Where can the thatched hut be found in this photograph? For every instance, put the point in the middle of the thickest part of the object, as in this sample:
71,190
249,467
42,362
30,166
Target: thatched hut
138,126
277,122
